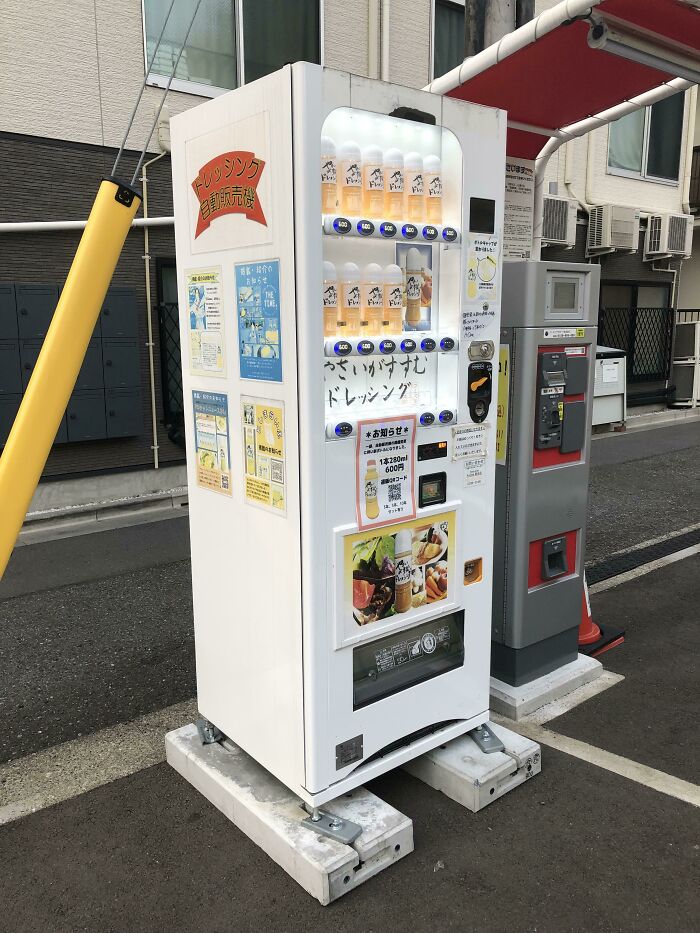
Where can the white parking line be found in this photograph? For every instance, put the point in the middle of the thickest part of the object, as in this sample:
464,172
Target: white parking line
632,770
642,569
64,771
648,543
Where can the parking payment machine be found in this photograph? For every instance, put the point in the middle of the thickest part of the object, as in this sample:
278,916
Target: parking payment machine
546,373
339,261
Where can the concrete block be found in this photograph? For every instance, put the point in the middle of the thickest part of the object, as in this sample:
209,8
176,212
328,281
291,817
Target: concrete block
271,816
462,772
516,702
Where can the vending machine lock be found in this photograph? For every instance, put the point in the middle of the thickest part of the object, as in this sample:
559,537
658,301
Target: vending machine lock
479,390
481,350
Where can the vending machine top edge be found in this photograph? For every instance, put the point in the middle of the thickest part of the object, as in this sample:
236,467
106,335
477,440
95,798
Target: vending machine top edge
339,270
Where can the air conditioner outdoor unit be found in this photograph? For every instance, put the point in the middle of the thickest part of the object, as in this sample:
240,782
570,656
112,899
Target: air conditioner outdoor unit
559,221
668,235
612,227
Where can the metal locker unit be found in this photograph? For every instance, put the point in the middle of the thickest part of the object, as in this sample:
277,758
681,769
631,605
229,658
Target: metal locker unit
546,372
35,308
10,372
119,315
8,313
124,412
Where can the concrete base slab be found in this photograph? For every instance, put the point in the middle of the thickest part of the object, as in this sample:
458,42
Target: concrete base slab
473,779
516,702
271,815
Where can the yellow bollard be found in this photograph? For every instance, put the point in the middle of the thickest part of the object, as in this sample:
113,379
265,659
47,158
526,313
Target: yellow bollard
62,355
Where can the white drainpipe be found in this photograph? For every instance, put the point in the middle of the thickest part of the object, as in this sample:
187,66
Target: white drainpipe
45,226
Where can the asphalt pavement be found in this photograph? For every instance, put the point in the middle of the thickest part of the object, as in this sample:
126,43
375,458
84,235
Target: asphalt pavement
97,630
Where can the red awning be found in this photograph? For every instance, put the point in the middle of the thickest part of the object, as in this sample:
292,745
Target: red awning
546,74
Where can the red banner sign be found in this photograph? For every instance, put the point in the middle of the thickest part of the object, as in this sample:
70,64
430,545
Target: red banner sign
228,185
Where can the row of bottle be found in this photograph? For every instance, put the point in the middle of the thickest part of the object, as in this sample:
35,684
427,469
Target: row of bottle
372,303
381,185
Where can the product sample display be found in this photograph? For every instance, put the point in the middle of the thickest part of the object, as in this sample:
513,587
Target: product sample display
545,398
341,458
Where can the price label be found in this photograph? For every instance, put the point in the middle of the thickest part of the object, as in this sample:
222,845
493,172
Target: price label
342,225
409,231
429,232
449,234
387,229
365,227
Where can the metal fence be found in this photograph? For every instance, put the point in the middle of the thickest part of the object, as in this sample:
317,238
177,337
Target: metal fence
646,336
171,371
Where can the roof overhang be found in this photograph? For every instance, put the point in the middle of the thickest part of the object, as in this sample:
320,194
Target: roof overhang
581,64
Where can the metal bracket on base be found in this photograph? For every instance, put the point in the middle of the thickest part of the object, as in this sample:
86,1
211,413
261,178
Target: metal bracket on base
487,740
327,824
208,732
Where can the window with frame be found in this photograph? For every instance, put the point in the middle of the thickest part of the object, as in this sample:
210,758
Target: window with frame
448,36
232,42
647,143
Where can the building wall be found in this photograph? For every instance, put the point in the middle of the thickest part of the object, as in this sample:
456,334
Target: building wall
689,286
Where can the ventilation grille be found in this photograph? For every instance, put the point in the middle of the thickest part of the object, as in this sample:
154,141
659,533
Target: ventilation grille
677,227
654,234
554,220
595,228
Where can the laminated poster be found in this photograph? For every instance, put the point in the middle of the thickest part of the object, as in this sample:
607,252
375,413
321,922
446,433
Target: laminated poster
483,257
384,458
258,312
211,441
400,571
264,454
204,304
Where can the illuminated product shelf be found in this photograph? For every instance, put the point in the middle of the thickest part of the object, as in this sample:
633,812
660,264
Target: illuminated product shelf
421,342
340,428
405,230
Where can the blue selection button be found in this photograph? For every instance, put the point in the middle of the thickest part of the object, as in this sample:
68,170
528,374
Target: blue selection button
447,343
427,418
342,348
427,344
365,347
387,346
387,229
342,225
446,416
449,234
365,227
408,345
429,232
409,231
344,429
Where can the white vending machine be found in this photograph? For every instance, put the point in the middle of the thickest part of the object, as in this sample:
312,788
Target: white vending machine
339,263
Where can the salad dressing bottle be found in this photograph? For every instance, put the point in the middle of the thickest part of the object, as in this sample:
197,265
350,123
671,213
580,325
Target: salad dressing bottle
350,179
350,299
403,589
372,300
331,324
393,184
414,284
393,300
329,176
413,186
432,182
372,182
371,487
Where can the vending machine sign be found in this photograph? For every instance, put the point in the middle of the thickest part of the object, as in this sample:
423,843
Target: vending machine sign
258,310
228,184
384,471
206,326
403,570
264,453
211,441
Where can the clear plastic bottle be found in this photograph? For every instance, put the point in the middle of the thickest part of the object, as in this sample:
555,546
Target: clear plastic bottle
403,563
330,300
393,184
413,186
393,300
414,284
350,179
372,182
350,299
329,176
371,490
372,300
432,183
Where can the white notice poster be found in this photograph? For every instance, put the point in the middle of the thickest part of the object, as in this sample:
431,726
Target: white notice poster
518,208
204,308
384,471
